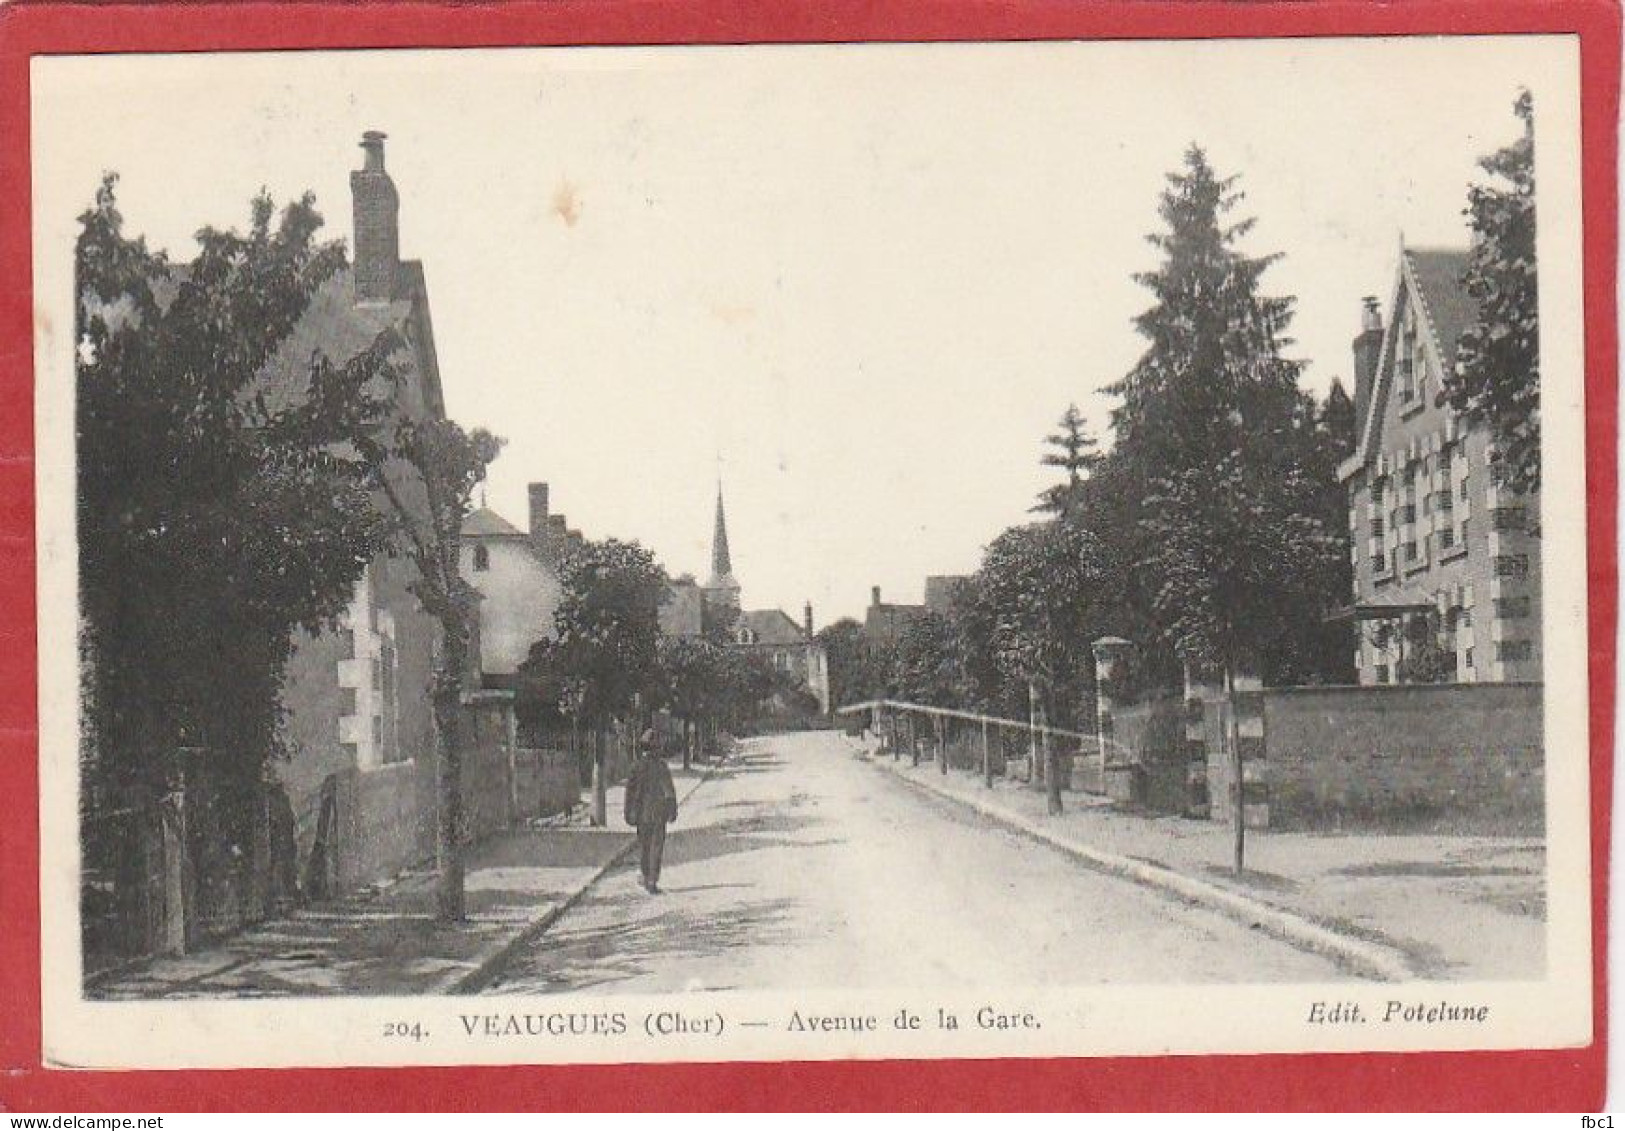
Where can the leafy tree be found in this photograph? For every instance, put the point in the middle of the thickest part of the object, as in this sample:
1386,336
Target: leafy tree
426,470
1073,451
542,687
216,514
608,622
1496,379
1026,623
856,670
694,677
1423,656
1213,424
927,668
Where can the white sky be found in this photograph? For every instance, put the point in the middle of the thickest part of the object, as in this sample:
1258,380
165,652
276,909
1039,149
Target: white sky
870,277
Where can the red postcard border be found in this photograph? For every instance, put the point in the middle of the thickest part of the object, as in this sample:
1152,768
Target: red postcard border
1523,1080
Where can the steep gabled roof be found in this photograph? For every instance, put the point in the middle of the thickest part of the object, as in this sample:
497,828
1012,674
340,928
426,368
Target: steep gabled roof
1433,276
340,327
487,523
1450,310
772,626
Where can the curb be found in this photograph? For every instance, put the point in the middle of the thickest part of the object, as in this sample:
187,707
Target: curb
1372,960
486,969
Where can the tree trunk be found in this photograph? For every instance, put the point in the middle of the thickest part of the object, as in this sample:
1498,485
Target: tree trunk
1032,734
688,747
1053,775
942,745
448,717
987,757
1232,735
600,805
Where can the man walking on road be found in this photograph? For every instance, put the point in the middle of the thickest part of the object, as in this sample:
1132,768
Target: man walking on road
651,804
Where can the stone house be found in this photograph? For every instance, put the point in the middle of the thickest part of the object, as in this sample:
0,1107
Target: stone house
791,648
517,576
358,720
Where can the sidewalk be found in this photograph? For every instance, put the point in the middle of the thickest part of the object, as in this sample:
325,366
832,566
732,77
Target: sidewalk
1452,907
386,941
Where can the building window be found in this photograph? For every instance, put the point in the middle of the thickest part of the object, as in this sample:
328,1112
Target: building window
1376,527
1445,503
1379,562
1464,620
482,558
1407,514
1447,538
1412,553
1513,651
1467,659
1382,673
1512,565
1463,488
1508,518
1511,608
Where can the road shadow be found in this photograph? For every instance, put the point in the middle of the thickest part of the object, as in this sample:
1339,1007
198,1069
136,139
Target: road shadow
744,834
631,945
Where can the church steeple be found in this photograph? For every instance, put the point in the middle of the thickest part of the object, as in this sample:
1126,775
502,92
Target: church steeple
721,564
721,587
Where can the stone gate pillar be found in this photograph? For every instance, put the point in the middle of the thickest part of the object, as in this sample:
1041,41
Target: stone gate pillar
1247,714
1111,655
1201,690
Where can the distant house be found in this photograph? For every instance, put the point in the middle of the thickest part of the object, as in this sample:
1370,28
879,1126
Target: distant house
357,716
884,624
789,647
1446,571
517,577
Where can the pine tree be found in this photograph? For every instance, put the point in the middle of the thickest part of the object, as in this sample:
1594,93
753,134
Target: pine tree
1072,449
1213,423
1337,421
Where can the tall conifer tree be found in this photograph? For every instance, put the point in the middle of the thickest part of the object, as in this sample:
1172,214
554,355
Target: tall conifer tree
1214,426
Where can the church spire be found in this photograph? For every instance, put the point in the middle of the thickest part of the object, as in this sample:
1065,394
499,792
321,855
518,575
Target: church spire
721,588
721,564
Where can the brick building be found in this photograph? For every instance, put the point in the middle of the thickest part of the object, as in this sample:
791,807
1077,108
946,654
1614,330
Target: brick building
1446,569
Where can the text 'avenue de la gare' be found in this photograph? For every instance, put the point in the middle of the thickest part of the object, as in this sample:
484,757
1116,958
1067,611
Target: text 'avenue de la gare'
709,1023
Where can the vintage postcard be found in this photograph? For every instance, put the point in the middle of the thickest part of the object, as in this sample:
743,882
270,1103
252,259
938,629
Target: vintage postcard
762,552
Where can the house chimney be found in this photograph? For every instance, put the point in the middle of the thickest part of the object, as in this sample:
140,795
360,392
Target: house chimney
538,510
1367,352
377,227
806,619
874,596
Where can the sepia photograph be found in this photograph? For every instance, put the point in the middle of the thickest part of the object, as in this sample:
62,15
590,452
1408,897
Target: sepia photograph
857,550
